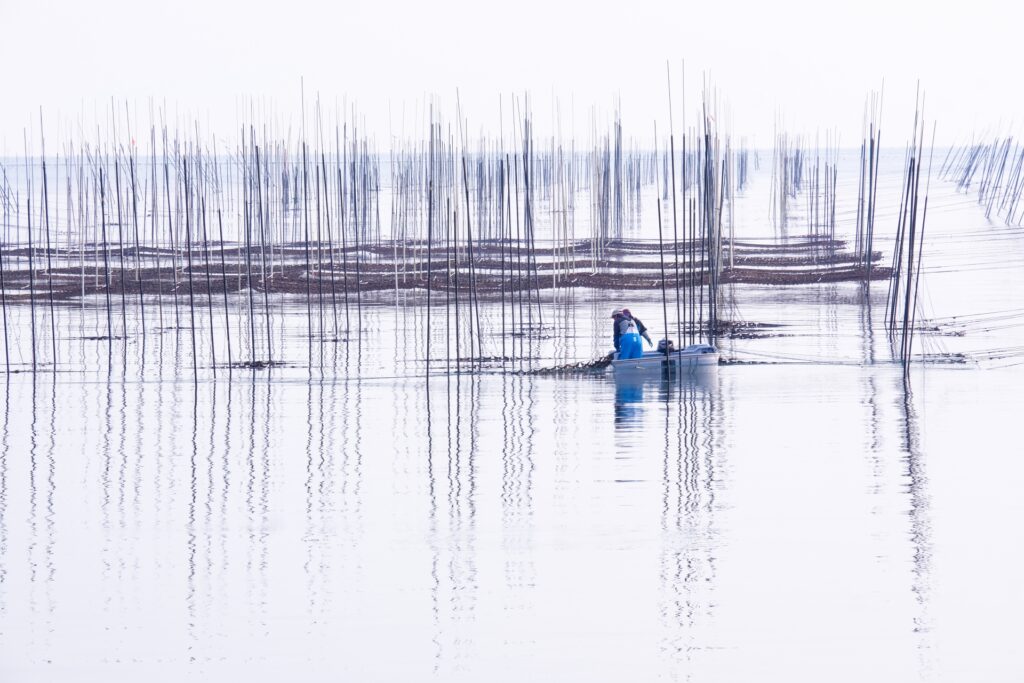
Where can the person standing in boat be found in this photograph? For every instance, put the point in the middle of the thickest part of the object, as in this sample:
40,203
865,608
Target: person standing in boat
626,333
640,327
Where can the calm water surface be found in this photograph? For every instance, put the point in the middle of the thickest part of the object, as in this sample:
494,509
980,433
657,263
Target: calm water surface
801,522
813,518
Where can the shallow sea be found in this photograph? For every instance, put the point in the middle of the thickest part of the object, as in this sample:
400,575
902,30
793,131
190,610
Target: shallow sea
806,514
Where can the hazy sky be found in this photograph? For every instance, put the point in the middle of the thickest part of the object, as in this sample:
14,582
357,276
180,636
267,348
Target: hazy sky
814,62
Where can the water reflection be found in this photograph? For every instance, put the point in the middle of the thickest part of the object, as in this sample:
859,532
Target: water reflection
461,572
41,541
107,449
902,491
460,518
920,522
629,400
194,629
5,444
518,527
693,434
635,393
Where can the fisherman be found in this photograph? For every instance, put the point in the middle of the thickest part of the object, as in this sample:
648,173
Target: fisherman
641,328
626,333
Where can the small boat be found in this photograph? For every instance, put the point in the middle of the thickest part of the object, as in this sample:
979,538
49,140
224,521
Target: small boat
693,356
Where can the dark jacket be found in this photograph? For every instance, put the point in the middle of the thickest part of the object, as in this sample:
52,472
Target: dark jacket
617,328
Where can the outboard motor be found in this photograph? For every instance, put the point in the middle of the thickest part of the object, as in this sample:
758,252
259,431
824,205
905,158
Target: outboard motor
666,346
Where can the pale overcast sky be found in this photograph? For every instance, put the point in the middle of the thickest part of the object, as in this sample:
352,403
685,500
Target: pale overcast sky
813,61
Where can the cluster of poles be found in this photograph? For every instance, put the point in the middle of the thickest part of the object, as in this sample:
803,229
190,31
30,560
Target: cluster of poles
908,248
797,171
867,181
165,232
996,168
821,191
788,156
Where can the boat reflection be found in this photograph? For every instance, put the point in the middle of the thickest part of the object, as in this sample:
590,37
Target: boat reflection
634,390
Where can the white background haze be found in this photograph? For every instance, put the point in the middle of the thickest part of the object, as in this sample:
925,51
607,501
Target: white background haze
812,62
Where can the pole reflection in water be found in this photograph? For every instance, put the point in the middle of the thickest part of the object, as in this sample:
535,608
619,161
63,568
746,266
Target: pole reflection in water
41,486
482,525
122,540
690,451
457,587
920,523
354,528
314,454
109,587
5,444
517,509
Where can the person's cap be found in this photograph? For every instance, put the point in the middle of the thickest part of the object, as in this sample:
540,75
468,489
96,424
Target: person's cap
625,311
617,312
